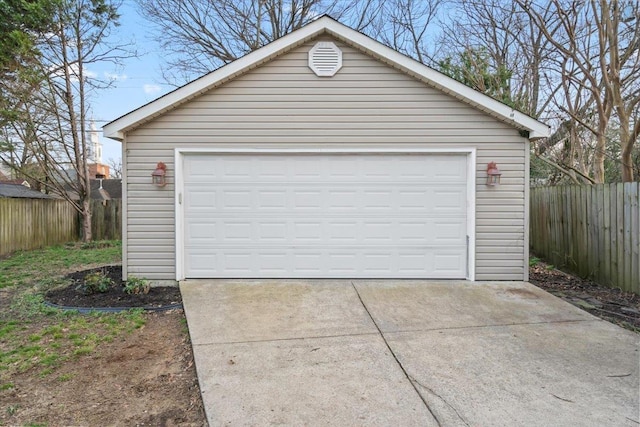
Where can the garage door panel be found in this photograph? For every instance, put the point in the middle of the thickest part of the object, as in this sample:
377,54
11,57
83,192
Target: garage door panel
200,199
342,231
237,168
449,168
341,200
238,262
201,231
264,198
325,216
237,231
337,232
336,168
271,168
325,262
309,262
272,200
307,232
449,231
201,262
322,197
448,263
277,262
377,263
237,200
272,231
307,200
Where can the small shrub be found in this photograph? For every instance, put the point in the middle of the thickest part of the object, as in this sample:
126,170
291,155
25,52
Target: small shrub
136,285
96,282
533,261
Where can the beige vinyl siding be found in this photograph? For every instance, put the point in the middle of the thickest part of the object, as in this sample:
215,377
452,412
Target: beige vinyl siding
282,102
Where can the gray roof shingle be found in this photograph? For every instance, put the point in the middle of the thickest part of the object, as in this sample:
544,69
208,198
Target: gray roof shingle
21,192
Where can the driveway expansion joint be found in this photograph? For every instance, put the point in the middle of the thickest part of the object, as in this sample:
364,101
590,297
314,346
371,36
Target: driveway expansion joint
395,357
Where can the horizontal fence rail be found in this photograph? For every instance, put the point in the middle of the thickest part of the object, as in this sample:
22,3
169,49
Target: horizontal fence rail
35,223
591,230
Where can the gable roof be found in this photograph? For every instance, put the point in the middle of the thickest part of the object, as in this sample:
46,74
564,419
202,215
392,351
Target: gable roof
101,189
327,25
21,192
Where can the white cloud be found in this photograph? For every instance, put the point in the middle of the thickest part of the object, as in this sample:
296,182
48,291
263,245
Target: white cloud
150,89
74,70
115,76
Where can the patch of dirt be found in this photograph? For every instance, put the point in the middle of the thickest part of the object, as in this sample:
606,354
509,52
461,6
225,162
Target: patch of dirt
73,296
613,305
145,378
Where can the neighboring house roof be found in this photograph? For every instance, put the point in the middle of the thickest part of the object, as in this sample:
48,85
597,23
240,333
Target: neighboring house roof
22,192
18,181
112,188
327,25
101,189
6,180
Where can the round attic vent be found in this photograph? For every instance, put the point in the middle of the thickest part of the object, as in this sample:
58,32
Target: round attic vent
325,59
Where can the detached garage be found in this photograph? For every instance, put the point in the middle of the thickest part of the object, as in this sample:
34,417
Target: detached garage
325,155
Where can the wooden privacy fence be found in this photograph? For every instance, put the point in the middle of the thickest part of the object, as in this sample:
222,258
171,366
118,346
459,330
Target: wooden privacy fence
35,223
592,230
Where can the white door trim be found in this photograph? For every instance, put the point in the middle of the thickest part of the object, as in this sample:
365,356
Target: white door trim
252,149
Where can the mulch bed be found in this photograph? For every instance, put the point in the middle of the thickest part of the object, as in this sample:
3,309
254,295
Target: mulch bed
614,305
611,304
72,295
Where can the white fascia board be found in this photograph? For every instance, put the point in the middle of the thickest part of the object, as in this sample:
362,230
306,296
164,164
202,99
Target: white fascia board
116,129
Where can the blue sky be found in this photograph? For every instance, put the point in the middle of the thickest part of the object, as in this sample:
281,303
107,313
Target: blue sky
135,83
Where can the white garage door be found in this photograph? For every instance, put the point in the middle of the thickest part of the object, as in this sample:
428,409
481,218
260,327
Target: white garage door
319,215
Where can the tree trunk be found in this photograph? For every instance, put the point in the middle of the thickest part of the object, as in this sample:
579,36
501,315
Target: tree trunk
86,221
626,144
598,159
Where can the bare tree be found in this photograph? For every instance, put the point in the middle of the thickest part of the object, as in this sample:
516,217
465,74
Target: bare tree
52,124
115,168
202,35
563,57
406,26
598,41
511,42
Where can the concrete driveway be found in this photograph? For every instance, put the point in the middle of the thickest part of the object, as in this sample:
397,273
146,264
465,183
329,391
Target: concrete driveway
406,353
